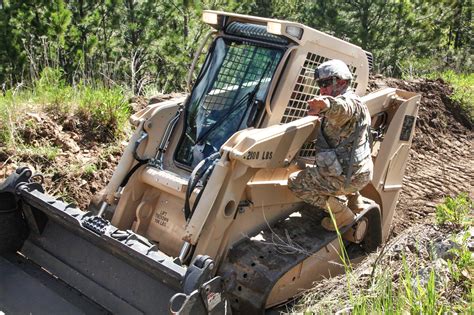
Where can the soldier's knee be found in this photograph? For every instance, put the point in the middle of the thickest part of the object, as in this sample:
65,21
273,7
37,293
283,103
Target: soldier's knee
293,180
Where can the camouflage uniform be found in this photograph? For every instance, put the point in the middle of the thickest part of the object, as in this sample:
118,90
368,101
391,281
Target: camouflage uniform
344,123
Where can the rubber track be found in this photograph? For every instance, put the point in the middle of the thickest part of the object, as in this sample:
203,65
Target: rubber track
253,266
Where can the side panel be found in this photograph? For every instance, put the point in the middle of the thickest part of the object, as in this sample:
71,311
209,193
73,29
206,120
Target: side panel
392,156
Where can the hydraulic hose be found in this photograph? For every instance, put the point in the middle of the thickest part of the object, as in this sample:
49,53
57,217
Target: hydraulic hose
194,179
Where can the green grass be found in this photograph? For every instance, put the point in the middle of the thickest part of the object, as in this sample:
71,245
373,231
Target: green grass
51,91
104,110
410,297
90,169
47,153
455,211
402,289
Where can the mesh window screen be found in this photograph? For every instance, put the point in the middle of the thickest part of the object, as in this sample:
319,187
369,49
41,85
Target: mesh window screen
237,73
305,89
222,101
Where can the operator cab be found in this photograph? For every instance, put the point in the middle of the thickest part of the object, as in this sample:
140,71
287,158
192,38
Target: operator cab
230,90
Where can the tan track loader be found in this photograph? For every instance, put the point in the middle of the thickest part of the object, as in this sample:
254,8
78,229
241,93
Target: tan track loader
197,217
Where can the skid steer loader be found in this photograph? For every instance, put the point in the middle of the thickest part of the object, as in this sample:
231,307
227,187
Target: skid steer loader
197,218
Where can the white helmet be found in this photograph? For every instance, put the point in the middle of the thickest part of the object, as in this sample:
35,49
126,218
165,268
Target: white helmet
333,68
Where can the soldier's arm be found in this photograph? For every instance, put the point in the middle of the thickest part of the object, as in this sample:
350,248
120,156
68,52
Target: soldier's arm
339,111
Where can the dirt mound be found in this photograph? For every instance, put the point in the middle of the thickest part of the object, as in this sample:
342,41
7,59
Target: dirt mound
440,119
75,166
440,158
440,162
40,129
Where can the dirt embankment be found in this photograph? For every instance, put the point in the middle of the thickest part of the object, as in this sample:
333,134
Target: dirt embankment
76,160
440,162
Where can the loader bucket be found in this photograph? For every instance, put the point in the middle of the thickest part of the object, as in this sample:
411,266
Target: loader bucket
119,271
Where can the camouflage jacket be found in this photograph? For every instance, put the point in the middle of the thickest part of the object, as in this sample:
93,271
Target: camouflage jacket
345,123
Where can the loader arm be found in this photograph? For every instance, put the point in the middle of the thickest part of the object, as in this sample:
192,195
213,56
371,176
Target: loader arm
242,155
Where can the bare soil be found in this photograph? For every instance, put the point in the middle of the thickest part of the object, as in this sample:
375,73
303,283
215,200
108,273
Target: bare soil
79,165
440,160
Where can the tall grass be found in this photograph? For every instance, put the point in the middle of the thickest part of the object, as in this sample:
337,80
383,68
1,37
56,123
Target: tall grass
100,108
411,286
463,88
51,91
106,109
382,297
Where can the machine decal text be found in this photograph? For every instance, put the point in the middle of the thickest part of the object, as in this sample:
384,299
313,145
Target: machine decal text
161,217
255,155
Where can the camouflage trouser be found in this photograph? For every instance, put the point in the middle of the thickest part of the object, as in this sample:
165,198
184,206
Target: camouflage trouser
315,189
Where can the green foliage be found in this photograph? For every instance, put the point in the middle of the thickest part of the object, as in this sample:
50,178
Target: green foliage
463,85
410,296
454,211
52,91
42,153
90,169
12,107
5,119
137,44
461,265
105,109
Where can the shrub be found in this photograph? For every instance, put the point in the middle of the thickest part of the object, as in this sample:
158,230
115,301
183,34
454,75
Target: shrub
454,211
106,109
52,91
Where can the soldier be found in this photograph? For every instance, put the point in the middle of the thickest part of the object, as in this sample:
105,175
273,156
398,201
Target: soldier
343,163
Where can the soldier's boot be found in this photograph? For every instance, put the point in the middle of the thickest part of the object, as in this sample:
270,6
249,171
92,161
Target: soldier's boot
355,202
342,215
